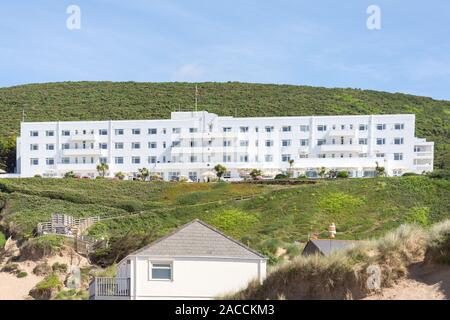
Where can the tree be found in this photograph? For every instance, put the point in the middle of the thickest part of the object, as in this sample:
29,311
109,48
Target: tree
332,173
144,174
255,173
102,168
8,153
380,171
120,175
322,172
69,175
291,164
220,170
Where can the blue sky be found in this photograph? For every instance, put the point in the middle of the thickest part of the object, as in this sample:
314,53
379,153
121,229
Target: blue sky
318,43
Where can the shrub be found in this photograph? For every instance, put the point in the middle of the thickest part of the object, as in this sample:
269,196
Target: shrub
272,245
11,268
439,174
131,205
342,174
40,247
72,294
410,174
22,274
281,176
2,240
59,267
42,269
438,250
69,175
418,215
47,288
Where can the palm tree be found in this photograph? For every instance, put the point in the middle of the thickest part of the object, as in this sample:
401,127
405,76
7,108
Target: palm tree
102,168
291,163
144,174
322,172
220,170
380,171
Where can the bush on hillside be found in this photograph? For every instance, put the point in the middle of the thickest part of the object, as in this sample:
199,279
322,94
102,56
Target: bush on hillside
47,288
37,248
342,175
439,174
438,250
131,205
22,274
59,267
42,269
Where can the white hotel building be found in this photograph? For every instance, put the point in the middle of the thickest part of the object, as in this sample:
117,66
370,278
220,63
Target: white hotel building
190,144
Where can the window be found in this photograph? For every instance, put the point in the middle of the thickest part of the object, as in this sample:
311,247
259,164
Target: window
50,146
285,157
136,131
103,146
363,155
50,133
65,133
381,126
286,129
152,159
268,158
34,134
118,145
152,131
363,127
303,156
65,160
193,130
176,143
321,142
399,126
322,156
304,142
304,128
398,156
363,141
136,160
381,141
321,127
193,176
244,158
342,126
269,129
398,141
135,145
50,161
243,129
193,159
380,155
103,132
176,130
227,143
103,160
269,143
226,129
34,147
193,143
65,146
286,143
243,143
152,145
118,132
34,161
161,271
226,158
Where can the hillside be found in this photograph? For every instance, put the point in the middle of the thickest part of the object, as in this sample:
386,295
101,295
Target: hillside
108,100
266,218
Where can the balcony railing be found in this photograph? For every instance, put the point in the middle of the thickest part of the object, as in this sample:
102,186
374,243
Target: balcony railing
341,147
82,152
84,137
102,287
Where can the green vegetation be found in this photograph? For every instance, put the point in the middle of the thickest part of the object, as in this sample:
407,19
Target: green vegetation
344,274
72,294
47,288
37,248
22,274
144,211
59,267
130,100
2,240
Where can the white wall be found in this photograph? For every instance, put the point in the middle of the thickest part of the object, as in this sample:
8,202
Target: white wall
196,278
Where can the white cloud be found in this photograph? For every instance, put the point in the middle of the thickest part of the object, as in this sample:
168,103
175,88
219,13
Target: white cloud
189,72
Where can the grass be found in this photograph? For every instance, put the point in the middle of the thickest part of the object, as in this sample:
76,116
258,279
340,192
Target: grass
50,282
2,240
130,100
361,208
345,274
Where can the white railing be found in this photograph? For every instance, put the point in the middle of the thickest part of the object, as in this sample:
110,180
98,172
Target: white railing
109,287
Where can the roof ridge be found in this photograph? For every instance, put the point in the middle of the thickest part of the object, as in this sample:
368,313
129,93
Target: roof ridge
203,224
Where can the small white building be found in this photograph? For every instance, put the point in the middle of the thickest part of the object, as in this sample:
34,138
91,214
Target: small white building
195,262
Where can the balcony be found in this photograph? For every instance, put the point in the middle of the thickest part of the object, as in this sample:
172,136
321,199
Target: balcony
82,152
424,155
84,137
206,150
342,133
208,135
341,148
109,289
76,167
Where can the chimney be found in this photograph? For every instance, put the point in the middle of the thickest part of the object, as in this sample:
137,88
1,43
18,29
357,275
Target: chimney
332,231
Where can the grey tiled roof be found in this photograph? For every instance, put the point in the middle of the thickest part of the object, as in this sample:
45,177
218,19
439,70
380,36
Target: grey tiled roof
198,239
326,246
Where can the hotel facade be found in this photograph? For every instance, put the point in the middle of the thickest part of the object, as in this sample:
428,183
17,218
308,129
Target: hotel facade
190,144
